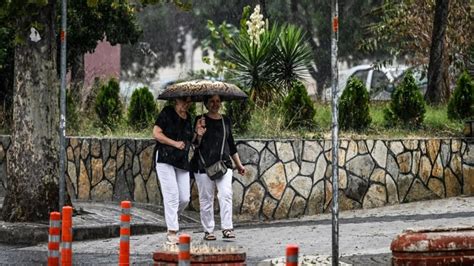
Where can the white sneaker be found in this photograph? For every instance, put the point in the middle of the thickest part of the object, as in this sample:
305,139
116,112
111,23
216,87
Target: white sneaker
172,239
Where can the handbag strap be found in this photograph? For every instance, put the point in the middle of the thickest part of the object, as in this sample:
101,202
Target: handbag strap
223,143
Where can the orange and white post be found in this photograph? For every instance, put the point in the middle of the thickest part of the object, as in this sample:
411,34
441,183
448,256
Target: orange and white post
125,218
66,245
291,255
54,238
184,255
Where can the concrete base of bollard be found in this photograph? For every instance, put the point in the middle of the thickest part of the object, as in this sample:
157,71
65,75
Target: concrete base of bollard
163,258
451,246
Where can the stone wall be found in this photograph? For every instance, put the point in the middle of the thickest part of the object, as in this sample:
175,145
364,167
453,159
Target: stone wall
285,178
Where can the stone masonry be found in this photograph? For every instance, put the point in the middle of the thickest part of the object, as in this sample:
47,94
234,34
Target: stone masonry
285,178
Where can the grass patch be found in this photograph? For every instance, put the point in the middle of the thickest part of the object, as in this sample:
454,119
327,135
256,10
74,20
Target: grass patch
268,122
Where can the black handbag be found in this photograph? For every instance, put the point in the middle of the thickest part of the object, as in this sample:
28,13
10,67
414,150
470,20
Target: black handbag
218,169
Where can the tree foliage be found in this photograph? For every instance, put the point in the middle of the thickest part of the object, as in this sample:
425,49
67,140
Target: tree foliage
89,23
405,28
314,17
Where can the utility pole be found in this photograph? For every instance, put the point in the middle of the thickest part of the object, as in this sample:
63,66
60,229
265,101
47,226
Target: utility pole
335,134
62,122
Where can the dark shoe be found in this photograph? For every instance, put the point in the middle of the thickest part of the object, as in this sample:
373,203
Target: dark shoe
228,233
209,236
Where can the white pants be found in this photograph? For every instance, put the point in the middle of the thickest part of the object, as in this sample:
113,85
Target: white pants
206,200
175,187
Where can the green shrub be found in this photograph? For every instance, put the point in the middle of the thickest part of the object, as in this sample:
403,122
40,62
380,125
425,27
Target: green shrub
108,105
142,109
407,107
461,104
354,113
240,113
299,109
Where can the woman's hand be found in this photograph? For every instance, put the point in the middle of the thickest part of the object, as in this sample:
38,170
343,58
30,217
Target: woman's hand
202,122
201,127
238,164
180,145
200,131
241,169
160,137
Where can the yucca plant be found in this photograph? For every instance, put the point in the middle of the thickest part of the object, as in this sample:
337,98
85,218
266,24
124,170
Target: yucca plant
292,56
253,64
252,54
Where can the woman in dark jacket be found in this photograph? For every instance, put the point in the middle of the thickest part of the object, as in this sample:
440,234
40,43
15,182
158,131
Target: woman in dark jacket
173,134
209,152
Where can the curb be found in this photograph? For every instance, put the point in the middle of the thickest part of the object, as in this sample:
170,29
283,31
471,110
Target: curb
28,233
23,233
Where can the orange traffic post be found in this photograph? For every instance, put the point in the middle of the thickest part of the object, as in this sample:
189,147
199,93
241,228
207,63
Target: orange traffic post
54,238
291,255
125,218
184,255
66,243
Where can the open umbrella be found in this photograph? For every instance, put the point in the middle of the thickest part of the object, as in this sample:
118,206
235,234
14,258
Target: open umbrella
198,89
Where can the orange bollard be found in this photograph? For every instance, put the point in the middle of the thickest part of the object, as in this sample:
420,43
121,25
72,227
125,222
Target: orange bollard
66,245
291,255
54,238
125,218
184,255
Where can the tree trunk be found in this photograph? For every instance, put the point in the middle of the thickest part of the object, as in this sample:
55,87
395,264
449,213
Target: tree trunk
33,162
77,80
321,50
436,92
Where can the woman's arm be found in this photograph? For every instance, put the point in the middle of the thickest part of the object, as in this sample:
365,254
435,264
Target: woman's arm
233,150
163,139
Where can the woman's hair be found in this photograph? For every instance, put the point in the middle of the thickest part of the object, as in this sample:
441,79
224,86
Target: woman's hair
183,98
207,98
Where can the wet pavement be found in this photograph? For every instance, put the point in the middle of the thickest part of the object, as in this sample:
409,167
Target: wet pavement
364,236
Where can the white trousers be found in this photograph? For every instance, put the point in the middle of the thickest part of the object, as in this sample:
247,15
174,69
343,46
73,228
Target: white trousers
206,188
175,187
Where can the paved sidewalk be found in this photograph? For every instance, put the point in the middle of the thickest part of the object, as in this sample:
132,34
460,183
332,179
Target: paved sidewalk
364,237
94,220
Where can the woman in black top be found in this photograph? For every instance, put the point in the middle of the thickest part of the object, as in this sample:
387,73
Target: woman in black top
210,145
173,133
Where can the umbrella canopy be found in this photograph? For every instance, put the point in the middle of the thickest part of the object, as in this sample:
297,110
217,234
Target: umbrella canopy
198,89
